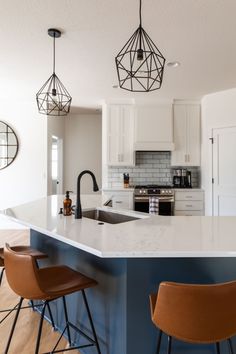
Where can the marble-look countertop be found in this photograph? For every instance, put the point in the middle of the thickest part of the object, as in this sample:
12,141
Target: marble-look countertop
150,236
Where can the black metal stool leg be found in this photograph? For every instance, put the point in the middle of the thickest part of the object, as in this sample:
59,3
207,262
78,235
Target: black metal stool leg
67,320
51,318
169,345
13,325
91,321
159,342
32,305
218,348
231,351
40,328
1,275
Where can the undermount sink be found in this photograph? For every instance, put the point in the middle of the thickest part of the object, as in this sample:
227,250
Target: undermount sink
107,216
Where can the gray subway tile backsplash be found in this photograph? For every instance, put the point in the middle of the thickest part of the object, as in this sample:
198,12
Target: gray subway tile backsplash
151,168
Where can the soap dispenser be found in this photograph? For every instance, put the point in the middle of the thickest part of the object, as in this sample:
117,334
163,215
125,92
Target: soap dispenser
67,203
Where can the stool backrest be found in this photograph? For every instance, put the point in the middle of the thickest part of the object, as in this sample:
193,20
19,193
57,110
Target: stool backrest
196,313
1,258
21,272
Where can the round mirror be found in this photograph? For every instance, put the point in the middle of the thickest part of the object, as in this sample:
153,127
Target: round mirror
8,145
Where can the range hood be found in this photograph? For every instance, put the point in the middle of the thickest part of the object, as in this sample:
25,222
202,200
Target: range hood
154,128
154,146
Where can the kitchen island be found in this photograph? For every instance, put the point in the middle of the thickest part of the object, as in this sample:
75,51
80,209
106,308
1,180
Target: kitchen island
129,260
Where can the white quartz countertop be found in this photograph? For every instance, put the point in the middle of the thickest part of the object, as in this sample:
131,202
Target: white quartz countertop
150,236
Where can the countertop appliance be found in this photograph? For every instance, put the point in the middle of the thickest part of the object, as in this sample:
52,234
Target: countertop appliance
182,178
165,196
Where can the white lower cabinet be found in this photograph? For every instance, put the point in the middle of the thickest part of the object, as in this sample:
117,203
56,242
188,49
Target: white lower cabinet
189,203
121,199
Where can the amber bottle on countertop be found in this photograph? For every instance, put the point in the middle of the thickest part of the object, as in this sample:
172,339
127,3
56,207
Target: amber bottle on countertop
67,203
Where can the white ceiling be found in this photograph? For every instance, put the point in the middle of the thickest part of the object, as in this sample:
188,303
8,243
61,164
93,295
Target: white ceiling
200,34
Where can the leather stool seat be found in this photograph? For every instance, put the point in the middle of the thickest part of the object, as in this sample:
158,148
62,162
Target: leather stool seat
28,251
46,284
198,314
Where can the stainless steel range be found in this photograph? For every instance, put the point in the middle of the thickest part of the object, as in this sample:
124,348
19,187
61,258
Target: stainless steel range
164,194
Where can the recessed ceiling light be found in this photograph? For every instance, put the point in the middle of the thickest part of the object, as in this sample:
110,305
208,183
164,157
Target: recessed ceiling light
173,64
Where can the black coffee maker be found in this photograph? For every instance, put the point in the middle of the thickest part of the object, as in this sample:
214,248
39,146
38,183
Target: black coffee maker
182,178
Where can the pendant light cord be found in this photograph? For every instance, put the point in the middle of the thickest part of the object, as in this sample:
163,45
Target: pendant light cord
54,53
140,24
140,15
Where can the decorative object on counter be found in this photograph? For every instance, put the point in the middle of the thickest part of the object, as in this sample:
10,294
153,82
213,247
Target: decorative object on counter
126,180
140,64
67,204
8,145
61,211
78,209
53,99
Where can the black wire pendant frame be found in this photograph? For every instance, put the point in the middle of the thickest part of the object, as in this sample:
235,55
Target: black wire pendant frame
140,64
53,99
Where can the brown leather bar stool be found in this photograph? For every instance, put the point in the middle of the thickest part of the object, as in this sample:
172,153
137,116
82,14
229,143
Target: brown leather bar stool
47,284
37,255
199,314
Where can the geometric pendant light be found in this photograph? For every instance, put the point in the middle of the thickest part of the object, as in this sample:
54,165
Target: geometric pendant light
53,99
140,64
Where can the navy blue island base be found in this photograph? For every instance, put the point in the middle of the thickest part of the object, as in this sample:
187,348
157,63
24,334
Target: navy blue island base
120,302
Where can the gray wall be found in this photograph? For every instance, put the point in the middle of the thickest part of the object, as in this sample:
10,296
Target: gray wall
152,167
83,150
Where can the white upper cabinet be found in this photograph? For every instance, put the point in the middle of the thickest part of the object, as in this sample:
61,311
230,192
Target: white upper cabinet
120,134
187,132
154,128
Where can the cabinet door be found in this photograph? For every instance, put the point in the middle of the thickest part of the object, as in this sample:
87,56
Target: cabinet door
126,135
186,135
120,135
193,135
179,155
113,141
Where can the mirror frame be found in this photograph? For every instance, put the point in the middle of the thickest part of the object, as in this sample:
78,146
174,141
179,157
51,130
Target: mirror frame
7,157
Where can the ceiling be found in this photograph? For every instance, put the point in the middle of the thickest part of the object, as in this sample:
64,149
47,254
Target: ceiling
200,34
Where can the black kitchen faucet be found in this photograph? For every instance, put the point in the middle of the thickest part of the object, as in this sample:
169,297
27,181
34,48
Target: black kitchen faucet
78,209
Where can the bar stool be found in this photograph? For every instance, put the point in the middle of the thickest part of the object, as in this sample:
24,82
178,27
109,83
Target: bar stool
47,284
200,314
37,255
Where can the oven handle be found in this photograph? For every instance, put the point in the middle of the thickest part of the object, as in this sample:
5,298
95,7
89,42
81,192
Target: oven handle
161,199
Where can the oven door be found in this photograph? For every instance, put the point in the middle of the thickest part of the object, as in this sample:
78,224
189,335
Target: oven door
141,204
166,205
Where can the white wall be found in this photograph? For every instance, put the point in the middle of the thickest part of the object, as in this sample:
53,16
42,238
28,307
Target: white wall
56,127
26,178
218,110
83,150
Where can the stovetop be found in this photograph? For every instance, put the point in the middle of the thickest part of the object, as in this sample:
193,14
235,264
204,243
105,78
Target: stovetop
154,186
153,189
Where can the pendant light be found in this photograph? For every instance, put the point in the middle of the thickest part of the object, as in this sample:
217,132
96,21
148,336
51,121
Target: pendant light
140,64
53,99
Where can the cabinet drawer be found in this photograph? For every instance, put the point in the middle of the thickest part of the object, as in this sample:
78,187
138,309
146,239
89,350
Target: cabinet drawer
122,202
188,195
188,213
188,205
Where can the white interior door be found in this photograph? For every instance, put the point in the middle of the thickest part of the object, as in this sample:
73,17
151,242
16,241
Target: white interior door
57,165
224,171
